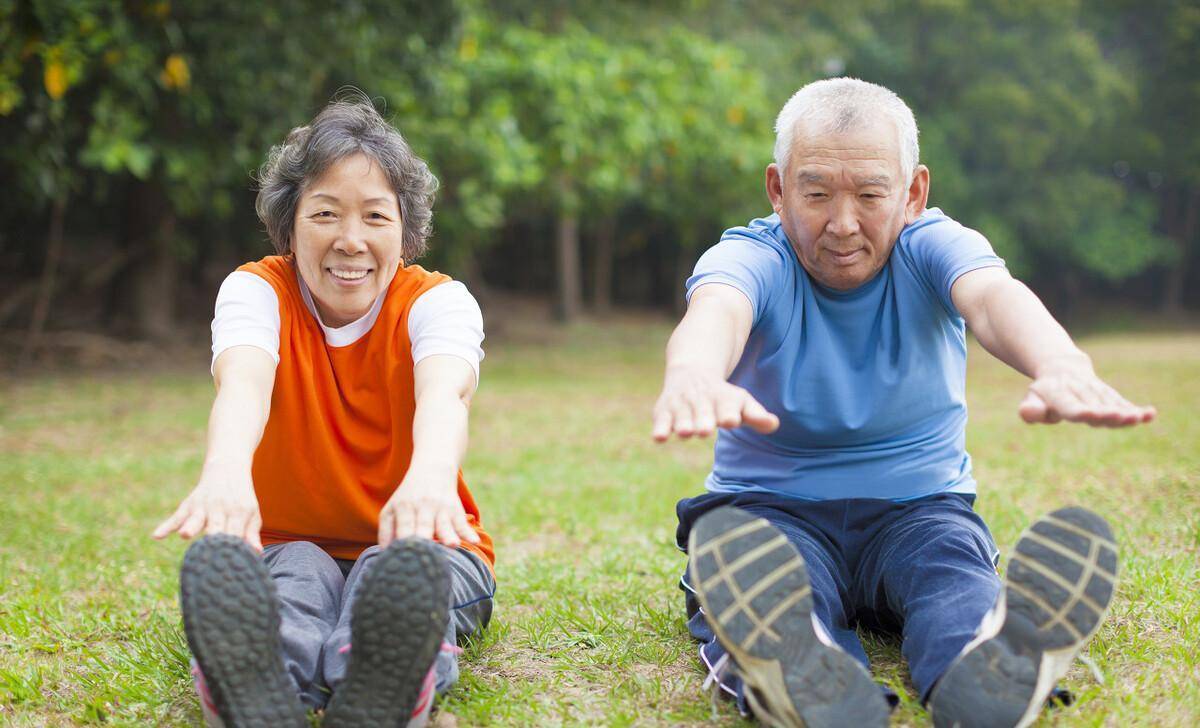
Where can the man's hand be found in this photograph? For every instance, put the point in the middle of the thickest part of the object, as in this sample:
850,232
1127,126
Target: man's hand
222,502
426,505
694,402
1071,391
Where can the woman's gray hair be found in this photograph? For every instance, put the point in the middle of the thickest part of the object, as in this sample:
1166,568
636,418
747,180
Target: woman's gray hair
839,105
349,125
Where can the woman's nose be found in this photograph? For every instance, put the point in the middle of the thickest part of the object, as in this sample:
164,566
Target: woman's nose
351,238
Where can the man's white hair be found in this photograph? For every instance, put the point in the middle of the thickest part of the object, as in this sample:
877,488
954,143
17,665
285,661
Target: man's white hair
838,105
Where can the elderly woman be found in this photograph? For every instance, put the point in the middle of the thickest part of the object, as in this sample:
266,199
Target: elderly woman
343,376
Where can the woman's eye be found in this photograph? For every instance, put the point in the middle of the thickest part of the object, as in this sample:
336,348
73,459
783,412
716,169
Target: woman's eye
323,213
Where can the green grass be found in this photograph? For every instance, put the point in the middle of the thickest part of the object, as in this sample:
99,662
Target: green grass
589,622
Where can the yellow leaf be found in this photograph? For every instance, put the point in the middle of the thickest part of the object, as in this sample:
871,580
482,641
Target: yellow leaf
55,79
735,114
160,10
468,49
112,56
175,73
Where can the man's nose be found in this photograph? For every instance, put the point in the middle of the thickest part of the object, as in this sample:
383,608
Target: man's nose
843,217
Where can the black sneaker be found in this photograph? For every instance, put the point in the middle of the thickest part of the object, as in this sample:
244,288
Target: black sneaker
1059,585
754,588
396,629
231,618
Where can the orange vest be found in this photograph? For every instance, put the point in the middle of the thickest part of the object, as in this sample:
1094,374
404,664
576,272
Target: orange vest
339,437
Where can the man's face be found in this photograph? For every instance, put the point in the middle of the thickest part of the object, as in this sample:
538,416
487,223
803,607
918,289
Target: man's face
845,200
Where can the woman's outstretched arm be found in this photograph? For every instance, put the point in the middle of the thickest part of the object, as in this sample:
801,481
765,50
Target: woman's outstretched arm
223,501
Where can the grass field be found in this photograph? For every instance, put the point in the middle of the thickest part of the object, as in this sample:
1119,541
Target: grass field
589,622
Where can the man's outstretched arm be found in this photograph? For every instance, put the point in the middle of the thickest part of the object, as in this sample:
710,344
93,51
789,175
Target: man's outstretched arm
706,346
1013,325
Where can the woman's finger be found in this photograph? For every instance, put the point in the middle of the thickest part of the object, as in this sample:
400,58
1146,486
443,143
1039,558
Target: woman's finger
173,522
253,533
424,521
387,525
464,528
445,529
194,523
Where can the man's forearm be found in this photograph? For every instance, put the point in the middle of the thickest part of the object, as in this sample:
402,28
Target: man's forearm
707,339
1018,330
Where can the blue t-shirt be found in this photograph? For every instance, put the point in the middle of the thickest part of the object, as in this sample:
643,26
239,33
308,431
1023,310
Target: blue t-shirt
869,384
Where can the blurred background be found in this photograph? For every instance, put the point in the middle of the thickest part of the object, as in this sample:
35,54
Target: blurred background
588,152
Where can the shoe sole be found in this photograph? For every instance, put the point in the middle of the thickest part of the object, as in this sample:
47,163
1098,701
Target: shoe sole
231,619
396,628
1057,591
756,595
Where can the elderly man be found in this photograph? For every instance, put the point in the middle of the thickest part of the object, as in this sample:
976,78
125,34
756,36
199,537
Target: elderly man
827,344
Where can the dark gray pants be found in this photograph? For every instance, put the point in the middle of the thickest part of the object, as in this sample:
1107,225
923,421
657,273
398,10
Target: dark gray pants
316,593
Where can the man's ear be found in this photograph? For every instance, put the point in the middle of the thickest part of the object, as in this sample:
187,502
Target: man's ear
774,187
917,195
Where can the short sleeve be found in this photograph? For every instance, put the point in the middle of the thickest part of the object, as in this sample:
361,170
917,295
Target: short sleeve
446,320
942,250
246,314
750,265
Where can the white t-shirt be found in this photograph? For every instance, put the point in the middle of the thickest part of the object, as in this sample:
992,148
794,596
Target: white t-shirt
444,320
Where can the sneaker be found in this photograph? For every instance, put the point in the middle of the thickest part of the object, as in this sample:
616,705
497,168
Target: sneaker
231,619
754,589
1059,585
396,628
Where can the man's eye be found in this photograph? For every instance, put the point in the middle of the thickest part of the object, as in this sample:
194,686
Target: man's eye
872,196
816,195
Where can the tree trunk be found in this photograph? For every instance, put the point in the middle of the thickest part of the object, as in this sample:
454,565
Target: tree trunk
146,288
155,283
45,292
602,265
1183,231
570,288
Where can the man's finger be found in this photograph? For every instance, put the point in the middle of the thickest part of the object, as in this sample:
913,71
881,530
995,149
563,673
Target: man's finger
706,418
1033,408
684,419
729,411
757,417
662,423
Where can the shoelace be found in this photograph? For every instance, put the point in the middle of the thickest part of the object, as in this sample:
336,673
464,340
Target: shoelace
1096,673
712,683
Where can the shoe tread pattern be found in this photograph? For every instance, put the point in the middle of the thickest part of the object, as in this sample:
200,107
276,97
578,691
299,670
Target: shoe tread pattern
1060,582
397,624
756,594
231,621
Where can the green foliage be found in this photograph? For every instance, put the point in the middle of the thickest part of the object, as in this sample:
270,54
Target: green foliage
1062,130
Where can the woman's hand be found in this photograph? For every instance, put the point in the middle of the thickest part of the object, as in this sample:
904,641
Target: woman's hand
222,502
426,505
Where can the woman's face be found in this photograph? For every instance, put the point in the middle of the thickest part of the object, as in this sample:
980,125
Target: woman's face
348,238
